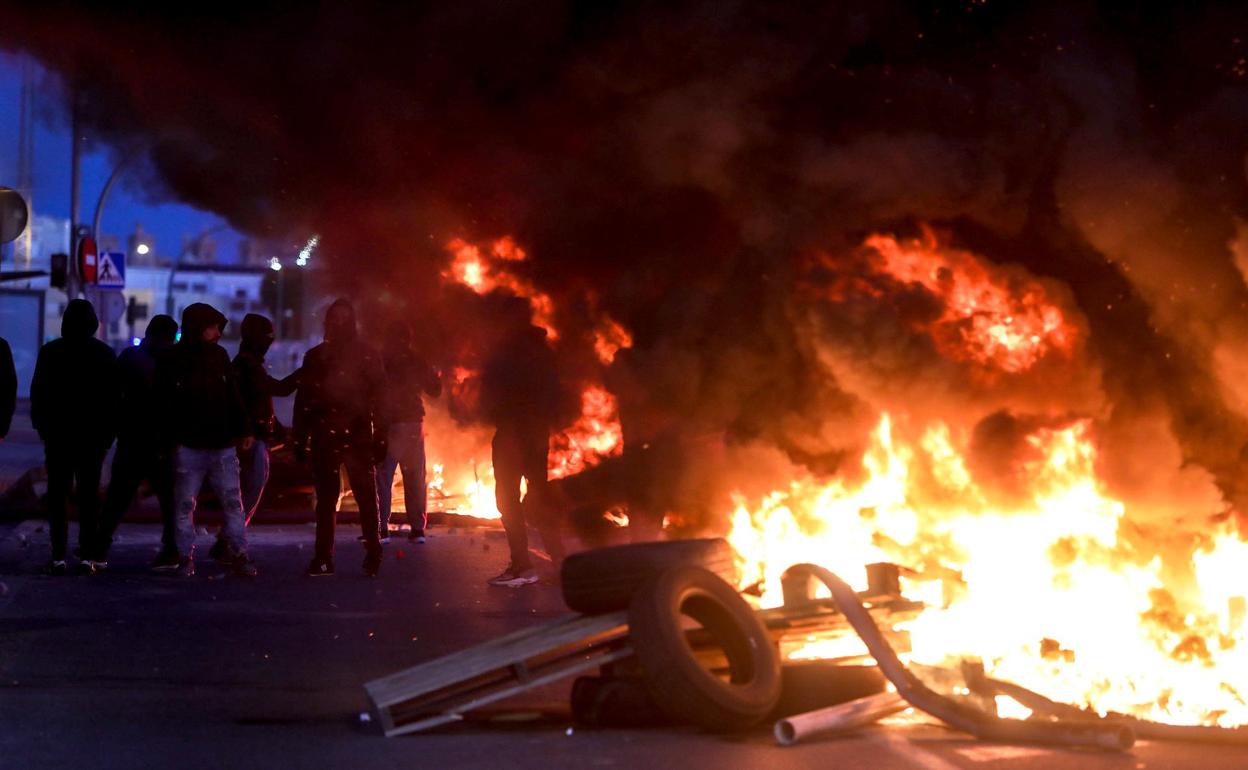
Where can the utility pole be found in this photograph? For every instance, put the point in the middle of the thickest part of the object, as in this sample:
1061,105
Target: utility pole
25,163
73,286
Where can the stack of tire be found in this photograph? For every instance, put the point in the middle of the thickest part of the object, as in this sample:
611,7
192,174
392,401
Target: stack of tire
662,584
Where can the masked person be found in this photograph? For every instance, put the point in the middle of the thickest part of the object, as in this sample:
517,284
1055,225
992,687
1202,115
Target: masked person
521,394
407,374
257,388
73,400
140,452
206,423
337,422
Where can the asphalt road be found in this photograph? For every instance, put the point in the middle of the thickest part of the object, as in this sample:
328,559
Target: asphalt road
129,670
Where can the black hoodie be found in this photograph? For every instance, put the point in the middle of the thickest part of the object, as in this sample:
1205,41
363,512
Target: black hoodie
255,383
74,395
339,398
136,372
196,387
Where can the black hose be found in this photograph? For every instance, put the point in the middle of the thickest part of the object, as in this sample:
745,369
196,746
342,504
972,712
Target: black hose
1103,734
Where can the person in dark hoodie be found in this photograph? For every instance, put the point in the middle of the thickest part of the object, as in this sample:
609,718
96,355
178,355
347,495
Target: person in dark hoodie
522,396
8,388
140,453
257,388
338,421
73,400
206,423
408,374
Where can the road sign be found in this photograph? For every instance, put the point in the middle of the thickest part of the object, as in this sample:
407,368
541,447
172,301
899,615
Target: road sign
111,272
87,260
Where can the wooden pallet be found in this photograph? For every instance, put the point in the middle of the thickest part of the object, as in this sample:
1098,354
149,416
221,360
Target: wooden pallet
444,690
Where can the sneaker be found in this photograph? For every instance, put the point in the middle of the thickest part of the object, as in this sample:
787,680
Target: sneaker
220,552
384,541
186,567
244,566
513,577
86,567
417,537
167,561
58,567
372,563
320,568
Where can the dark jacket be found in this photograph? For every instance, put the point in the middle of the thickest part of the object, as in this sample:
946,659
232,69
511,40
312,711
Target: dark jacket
407,376
8,387
136,375
520,382
73,394
339,397
196,387
255,384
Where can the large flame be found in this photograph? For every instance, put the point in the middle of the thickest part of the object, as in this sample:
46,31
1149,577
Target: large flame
462,478
1048,593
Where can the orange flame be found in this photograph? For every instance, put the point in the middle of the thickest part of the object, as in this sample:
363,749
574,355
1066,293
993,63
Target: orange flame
596,434
484,274
1048,594
991,318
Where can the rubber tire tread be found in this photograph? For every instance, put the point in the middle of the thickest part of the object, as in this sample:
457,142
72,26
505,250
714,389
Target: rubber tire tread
677,681
605,579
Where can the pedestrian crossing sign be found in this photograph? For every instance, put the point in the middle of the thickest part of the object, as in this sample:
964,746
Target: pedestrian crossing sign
111,271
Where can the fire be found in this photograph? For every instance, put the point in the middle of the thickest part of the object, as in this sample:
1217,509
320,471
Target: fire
610,338
990,317
484,274
1049,594
596,434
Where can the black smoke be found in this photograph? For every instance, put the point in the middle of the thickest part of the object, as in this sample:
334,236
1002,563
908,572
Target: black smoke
680,163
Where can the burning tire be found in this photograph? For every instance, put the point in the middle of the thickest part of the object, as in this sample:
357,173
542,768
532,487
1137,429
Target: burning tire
605,579
678,682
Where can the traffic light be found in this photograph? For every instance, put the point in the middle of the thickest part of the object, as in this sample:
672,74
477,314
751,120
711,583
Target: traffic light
58,275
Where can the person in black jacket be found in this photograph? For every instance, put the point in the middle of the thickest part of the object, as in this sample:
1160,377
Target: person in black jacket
8,388
205,422
257,387
337,420
407,375
73,400
140,453
521,395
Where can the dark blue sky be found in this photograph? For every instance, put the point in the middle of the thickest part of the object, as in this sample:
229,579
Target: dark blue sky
168,221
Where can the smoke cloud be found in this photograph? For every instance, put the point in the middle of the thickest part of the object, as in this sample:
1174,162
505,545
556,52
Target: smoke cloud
705,171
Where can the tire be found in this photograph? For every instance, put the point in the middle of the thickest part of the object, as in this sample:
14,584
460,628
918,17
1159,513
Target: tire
605,579
677,681
599,701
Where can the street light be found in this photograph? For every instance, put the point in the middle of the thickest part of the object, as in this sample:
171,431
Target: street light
142,249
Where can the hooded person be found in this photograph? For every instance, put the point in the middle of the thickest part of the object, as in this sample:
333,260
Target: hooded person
205,422
522,396
8,388
257,388
140,452
408,375
338,422
73,406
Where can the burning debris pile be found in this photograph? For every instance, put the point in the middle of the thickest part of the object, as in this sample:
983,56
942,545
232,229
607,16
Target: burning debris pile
959,287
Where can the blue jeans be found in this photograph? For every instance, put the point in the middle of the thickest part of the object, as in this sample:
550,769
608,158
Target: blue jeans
220,468
254,474
405,449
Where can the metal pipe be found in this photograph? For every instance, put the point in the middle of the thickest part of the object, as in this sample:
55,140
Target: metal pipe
839,718
1104,734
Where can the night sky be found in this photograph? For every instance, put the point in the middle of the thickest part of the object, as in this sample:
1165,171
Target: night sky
167,220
